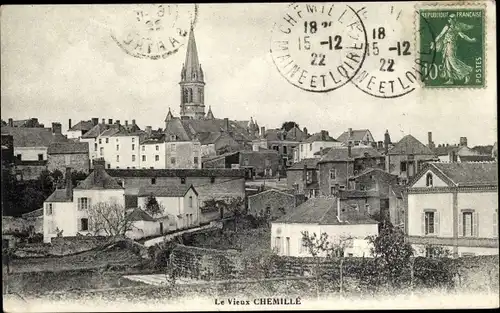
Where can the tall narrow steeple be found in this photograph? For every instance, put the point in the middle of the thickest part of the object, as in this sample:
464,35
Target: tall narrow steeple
192,83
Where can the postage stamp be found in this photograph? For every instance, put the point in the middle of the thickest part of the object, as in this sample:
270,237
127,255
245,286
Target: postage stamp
459,45
318,48
154,31
391,66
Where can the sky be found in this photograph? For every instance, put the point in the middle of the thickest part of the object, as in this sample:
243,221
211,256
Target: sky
59,62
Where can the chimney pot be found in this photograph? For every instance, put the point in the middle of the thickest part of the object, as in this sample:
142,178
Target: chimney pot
69,124
56,128
95,121
11,122
126,122
117,122
110,121
133,122
103,121
262,131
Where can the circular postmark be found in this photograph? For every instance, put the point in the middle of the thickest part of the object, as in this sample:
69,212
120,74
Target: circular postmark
392,66
153,31
318,47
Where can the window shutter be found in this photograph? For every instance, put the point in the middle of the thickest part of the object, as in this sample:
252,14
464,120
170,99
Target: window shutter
89,203
423,223
436,223
460,224
495,223
475,224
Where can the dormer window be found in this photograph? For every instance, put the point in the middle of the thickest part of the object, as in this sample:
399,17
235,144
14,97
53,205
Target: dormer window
428,180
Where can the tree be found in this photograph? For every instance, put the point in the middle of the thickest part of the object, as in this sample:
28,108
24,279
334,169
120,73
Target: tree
289,125
77,177
109,219
394,251
153,208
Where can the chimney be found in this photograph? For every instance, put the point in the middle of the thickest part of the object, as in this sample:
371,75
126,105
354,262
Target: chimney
110,121
148,130
126,122
69,184
11,122
349,152
69,124
463,141
117,122
429,140
133,122
226,124
99,165
56,128
387,141
324,134
262,130
103,121
380,145
349,131
305,131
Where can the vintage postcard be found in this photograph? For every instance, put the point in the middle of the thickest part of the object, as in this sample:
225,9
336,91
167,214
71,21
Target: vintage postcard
249,156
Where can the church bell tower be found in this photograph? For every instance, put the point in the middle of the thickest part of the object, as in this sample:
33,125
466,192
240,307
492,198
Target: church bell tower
192,83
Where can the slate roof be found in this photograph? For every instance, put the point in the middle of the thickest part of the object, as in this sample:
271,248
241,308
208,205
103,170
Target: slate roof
82,125
410,145
476,158
370,170
139,215
463,174
350,194
99,179
310,164
68,148
175,191
204,172
320,137
33,136
357,135
342,154
323,210
323,151
59,195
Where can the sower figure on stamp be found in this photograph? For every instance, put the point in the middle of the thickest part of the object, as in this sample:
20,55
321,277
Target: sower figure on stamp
446,43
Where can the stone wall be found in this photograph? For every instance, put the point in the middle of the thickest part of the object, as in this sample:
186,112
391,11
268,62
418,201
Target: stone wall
79,162
279,203
59,246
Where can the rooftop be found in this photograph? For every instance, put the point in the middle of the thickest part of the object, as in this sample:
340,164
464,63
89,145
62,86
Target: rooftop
357,135
410,145
98,179
309,163
342,154
205,172
175,191
59,195
68,148
33,136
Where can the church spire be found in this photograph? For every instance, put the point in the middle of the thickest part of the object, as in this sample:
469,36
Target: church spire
192,68
169,115
210,115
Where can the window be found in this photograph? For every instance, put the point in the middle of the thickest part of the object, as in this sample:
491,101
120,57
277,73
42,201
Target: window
40,157
195,160
430,223
310,147
133,146
100,140
468,224
301,148
101,151
49,209
172,160
19,157
277,244
157,158
308,177
332,190
133,158
302,245
367,208
403,167
190,201
117,158
83,204
95,146
284,149
143,158
133,140
173,145
84,224
333,173
428,180
153,181
117,147
107,140
183,180
109,165
212,179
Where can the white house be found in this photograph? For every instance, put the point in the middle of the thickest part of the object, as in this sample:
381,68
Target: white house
66,209
310,147
454,206
342,223
179,201
144,225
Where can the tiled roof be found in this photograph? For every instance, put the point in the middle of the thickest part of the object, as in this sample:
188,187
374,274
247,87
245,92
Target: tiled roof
357,135
323,210
68,148
139,215
309,163
59,195
165,191
410,145
320,137
33,136
82,125
204,172
464,174
209,138
98,179
476,158
202,126
342,154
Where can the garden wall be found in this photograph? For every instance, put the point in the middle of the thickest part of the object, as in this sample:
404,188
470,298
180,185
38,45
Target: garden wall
59,246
